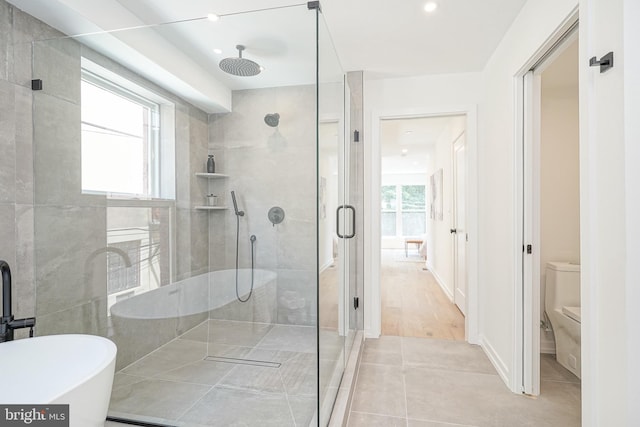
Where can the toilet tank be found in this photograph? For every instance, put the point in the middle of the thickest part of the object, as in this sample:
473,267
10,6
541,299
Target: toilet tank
562,285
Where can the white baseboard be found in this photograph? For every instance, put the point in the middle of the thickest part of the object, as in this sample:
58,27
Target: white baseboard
497,363
440,282
327,264
547,346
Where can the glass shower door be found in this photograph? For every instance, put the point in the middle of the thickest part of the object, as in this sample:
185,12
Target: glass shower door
336,224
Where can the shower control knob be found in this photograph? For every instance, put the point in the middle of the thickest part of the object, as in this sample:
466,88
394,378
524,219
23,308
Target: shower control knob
276,215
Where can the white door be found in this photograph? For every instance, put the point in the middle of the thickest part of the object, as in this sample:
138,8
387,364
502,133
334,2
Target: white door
459,230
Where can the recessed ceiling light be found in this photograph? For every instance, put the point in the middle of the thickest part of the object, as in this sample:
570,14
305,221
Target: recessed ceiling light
213,17
409,132
218,51
405,151
430,6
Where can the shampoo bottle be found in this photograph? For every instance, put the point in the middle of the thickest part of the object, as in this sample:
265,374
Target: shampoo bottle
211,164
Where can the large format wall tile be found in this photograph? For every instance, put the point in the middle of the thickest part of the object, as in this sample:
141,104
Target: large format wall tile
24,285
271,167
183,172
57,63
25,30
297,297
65,234
57,151
88,318
7,235
7,142
5,39
70,256
24,145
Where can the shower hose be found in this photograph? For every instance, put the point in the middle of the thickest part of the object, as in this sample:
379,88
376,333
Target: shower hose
253,240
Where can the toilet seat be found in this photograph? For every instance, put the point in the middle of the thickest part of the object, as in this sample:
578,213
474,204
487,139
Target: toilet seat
572,312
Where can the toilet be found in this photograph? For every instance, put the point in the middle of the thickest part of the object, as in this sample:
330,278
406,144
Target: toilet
562,305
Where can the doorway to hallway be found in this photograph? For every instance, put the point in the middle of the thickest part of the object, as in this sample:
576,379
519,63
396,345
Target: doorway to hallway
422,232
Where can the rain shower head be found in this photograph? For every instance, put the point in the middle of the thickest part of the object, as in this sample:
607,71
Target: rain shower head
272,119
240,66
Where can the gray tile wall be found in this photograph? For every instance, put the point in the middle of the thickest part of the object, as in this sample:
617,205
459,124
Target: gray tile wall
17,30
270,167
52,235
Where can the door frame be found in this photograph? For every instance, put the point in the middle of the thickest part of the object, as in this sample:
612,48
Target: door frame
372,255
454,214
525,376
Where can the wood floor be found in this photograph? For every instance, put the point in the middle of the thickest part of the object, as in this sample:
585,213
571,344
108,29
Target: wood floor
413,304
328,307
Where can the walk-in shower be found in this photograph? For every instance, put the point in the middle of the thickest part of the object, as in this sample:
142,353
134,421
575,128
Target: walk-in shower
226,313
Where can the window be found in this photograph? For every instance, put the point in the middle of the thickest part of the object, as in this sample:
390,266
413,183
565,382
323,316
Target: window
414,210
122,277
122,146
404,211
128,155
388,216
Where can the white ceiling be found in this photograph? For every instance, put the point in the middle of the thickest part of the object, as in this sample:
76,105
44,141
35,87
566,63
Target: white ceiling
382,37
417,136
397,38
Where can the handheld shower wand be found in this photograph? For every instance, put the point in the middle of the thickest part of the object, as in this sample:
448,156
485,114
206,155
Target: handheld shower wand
235,204
253,241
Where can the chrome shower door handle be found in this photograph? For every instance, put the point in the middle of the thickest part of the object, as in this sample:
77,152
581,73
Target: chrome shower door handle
353,222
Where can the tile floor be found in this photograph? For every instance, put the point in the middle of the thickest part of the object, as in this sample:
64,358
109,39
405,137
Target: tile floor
176,386
419,382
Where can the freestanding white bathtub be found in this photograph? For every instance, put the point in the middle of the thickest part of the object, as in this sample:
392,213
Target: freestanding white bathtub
145,322
60,369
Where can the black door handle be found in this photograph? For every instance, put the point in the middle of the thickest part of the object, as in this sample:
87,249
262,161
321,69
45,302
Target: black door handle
353,221
453,230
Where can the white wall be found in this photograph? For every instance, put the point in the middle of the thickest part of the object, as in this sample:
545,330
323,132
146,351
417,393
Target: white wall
439,240
406,97
559,184
610,207
631,66
496,161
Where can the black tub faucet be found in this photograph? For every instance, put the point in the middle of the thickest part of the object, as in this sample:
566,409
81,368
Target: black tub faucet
7,323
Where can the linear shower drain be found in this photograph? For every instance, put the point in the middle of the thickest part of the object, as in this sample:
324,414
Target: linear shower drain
261,363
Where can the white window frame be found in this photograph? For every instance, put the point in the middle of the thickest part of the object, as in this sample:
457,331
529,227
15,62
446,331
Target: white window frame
160,137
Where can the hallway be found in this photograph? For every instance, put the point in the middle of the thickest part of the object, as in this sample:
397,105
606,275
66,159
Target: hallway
417,382
413,304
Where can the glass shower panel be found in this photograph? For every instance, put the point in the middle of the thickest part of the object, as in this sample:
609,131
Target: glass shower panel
334,222
211,306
